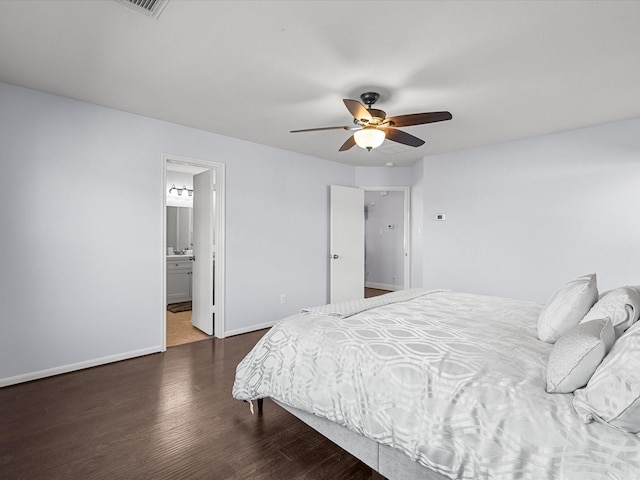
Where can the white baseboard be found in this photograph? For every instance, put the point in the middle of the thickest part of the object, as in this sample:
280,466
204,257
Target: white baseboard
253,328
384,286
50,372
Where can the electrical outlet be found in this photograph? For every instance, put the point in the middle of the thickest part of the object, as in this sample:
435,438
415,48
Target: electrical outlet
283,298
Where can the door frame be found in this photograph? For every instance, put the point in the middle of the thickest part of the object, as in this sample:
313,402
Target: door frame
219,274
407,226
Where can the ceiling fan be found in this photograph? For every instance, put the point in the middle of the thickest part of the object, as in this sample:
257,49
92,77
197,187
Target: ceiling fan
371,125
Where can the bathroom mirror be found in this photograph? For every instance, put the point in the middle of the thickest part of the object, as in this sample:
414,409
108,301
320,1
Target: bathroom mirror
179,227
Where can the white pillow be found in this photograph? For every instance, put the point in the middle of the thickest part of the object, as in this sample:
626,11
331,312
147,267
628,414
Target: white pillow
576,355
612,395
621,306
567,307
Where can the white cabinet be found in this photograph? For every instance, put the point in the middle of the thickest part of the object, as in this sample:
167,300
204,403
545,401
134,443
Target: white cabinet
179,275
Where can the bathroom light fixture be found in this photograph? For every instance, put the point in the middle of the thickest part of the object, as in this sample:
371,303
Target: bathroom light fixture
369,137
180,190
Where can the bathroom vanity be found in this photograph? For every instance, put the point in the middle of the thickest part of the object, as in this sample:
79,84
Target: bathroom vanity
179,278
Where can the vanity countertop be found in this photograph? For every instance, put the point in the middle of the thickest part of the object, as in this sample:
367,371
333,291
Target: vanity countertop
182,257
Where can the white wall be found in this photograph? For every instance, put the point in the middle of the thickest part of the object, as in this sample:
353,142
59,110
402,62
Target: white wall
277,234
523,218
82,242
384,176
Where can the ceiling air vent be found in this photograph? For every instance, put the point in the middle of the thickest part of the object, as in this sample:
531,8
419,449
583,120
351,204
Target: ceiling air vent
150,8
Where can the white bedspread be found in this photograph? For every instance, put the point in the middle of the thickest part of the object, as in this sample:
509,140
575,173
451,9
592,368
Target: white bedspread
456,381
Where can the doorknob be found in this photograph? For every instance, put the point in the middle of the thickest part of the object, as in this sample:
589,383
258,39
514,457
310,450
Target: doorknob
334,256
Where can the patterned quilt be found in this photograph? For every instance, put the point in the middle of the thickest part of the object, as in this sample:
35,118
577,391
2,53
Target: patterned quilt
456,381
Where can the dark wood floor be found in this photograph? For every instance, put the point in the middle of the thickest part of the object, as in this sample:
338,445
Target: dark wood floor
373,292
162,416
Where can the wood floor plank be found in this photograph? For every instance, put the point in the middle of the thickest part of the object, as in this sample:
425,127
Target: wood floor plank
162,417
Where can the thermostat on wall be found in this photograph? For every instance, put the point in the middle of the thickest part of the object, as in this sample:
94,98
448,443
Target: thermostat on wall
440,216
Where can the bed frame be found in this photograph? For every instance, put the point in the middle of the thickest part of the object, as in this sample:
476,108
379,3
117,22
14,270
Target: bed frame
387,461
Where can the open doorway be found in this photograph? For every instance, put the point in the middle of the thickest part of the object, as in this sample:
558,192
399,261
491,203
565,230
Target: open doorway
347,240
193,246
386,239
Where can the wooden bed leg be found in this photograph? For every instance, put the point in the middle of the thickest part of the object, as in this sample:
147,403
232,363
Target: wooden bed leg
260,403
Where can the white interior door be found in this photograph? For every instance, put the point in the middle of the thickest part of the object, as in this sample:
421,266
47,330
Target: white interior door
203,252
346,244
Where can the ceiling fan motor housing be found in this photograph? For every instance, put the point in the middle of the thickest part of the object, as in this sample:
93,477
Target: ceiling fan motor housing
369,98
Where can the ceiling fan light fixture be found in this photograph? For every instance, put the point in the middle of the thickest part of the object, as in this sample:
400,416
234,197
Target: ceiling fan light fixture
369,138
373,126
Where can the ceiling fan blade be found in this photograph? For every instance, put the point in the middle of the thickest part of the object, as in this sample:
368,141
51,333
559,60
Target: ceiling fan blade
321,128
358,110
351,141
399,136
418,118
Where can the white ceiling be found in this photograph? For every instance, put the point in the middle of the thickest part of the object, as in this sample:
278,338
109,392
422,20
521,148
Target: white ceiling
255,70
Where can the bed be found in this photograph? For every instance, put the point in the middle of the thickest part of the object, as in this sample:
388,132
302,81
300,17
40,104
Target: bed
436,385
